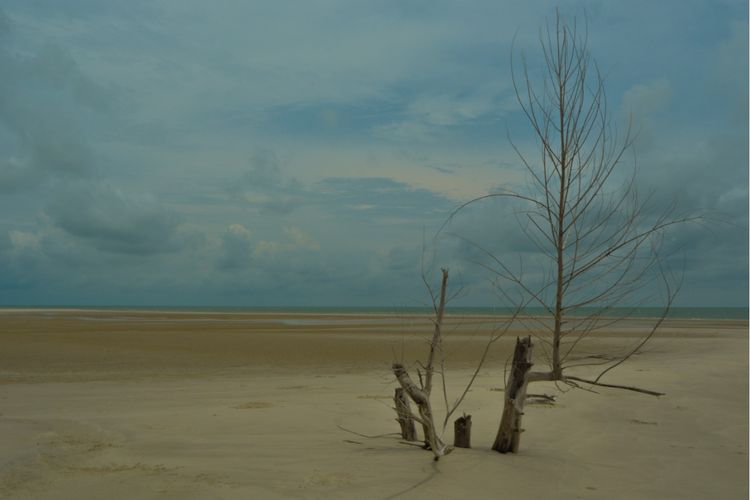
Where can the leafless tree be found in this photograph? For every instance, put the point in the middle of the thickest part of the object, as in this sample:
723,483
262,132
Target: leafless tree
598,240
435,365
421,394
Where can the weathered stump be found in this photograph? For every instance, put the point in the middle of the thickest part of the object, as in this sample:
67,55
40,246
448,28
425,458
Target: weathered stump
462,432
509,433
404,415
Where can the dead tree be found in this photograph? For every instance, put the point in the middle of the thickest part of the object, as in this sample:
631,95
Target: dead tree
404,417
597,241
509,433
421,394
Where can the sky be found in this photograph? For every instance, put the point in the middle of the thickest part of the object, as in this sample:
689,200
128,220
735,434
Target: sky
275,153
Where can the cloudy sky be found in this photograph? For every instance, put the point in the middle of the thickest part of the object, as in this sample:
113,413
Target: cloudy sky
183,152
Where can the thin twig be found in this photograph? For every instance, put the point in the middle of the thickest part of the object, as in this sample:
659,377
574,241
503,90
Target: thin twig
615,386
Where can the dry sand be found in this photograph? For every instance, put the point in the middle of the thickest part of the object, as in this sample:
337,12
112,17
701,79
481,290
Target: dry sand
113,404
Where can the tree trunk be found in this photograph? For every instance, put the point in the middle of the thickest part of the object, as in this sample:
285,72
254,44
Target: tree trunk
462,432
405,416
422,400
421,396
509,433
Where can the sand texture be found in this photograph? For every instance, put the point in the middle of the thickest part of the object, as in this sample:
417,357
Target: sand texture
166,405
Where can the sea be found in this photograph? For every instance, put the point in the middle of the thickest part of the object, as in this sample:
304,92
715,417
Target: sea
737,313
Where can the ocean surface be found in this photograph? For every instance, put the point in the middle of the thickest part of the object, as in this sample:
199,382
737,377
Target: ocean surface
639,312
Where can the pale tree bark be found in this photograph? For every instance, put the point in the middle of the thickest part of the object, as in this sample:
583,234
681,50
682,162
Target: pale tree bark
421,395
509,434
404,416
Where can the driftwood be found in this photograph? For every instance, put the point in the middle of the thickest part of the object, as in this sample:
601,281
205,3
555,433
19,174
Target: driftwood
462,432
421,394
615,386
422,400
540,398
404,415
509,433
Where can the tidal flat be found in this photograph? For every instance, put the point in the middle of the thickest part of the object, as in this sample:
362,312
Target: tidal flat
193,405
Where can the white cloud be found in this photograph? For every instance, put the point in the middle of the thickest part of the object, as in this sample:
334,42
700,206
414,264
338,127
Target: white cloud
430,116
240,250
300,239
24,241
236,248
296,143
644,99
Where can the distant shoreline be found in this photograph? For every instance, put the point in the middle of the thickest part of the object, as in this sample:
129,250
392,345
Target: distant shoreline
712,313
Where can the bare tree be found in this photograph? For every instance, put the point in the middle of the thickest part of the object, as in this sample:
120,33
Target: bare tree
421,394
435,365
598,240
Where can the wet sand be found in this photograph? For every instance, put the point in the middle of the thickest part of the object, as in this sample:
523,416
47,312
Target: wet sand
123,404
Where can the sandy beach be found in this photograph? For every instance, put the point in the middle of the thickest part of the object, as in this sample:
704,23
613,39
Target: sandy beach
185,405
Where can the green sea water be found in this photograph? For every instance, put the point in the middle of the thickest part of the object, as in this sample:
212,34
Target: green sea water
639,312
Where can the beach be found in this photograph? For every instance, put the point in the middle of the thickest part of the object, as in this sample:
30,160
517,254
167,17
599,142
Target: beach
123,404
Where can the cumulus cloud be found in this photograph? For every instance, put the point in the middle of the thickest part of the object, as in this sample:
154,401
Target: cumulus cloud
263,187
264,172
642,99
236,248
730,56
111,221
240,250
46,103
19,261
311,216
300,239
